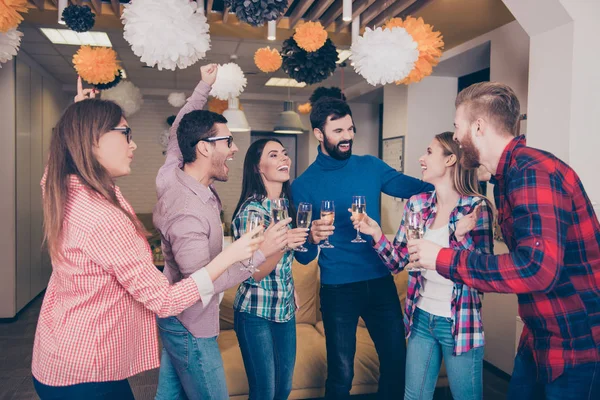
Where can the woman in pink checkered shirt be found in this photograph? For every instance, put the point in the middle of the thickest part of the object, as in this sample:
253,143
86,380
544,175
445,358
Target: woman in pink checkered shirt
442,319
96,326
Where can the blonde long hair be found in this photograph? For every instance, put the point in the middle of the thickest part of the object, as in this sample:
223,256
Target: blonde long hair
465,180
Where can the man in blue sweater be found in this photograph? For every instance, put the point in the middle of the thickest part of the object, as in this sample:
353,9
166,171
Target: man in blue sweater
354,281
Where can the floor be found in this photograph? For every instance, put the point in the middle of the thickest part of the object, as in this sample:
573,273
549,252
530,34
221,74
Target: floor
16,341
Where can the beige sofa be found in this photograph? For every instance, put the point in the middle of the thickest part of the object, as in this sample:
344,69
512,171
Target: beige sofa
311,361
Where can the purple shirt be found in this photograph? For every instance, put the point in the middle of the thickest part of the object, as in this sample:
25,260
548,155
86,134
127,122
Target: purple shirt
187,215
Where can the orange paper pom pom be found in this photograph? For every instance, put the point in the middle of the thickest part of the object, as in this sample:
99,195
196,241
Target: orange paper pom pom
310,36
267,59
96,65
305,108
218,106
429,43
9,13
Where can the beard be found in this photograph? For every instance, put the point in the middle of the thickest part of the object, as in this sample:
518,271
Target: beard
334,149
470,155
218,169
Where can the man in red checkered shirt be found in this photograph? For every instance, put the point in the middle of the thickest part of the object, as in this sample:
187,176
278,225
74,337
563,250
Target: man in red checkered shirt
553,236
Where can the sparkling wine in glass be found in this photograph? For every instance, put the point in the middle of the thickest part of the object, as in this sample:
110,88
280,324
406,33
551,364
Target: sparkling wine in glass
359,209
328,216
252,220
414,230
303,220
279,212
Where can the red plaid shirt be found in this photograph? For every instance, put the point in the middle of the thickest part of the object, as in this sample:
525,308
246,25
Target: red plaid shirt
553,266
97,321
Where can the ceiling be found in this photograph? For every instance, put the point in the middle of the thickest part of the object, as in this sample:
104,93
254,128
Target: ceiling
458,20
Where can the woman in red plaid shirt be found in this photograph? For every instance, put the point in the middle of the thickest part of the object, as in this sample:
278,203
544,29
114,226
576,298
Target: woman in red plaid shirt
442,319
96,326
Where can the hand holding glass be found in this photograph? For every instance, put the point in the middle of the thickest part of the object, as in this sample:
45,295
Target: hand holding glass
251,221
303,220
414,230
359,209
279,212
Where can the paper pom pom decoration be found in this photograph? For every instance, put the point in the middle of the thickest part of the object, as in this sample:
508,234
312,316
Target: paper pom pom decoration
267,59
230,82
96,64
309,67
171,119
384,55
305,108
167,33
257,12
9,45
217,106
9,14
310,36
320,92
429,43
177,99
126,95
112,84
79,18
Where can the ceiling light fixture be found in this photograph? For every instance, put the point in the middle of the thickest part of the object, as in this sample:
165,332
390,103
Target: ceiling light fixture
272,30
285,82
236,119
289,122
66,36
62,4
343,55
347,10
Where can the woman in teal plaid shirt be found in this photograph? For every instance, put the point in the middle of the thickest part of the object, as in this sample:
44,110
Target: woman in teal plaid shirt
264,305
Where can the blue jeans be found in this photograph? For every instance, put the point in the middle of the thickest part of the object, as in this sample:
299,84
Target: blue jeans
189,366
269,353
581,382
376,301
89,391
430,340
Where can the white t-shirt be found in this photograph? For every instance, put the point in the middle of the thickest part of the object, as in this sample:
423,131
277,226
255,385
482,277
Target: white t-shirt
435,296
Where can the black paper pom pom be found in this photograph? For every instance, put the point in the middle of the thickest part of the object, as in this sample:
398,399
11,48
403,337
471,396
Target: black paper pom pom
171,119
310,67
79,18
320,92
257,12
111,84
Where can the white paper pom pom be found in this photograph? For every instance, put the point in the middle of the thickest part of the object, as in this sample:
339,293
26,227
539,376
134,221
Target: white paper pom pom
177,99
384,55
167,33
9,45
163,138
230,82
126,95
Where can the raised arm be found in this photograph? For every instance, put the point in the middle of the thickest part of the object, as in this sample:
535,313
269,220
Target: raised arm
397,184
394,255
195,102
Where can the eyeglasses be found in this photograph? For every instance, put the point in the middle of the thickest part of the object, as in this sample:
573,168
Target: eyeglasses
217,138
125,130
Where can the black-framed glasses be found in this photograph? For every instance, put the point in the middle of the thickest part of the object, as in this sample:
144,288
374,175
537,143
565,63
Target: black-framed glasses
125,130
217,138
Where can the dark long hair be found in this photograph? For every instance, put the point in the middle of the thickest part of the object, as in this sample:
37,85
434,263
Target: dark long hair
252,183
71,153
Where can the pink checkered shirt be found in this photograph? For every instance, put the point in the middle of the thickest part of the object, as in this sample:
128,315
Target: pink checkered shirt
97,320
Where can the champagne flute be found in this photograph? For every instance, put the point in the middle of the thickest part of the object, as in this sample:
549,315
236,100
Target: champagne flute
328,216
252,220
303,220
279,212
414,230
359,209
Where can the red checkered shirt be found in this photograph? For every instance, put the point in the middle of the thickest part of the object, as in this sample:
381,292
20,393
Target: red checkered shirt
553,266
97,321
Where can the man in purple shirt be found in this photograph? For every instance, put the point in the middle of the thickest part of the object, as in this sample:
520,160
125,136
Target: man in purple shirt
187,215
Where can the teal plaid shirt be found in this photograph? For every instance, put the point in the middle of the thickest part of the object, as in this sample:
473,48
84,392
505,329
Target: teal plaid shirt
273,297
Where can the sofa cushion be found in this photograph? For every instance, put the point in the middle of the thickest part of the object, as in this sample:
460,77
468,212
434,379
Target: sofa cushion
305,282
310,370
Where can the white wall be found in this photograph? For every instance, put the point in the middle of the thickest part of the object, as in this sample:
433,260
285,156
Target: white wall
32,103
418,112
